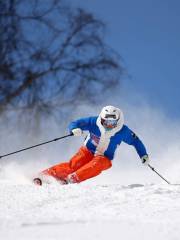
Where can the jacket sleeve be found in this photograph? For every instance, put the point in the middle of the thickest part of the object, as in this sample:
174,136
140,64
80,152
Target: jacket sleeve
82,123
132,139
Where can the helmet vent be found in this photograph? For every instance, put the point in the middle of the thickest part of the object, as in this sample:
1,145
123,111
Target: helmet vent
110,116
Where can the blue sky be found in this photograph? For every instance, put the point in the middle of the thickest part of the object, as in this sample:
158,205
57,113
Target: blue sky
146,33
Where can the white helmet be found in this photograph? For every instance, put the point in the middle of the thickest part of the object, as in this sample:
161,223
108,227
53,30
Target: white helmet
111,117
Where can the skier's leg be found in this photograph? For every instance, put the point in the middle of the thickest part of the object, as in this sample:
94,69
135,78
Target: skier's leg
62,170
59,171
91,169
82,157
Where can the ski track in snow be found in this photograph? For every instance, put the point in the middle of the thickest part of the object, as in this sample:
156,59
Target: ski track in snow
88,211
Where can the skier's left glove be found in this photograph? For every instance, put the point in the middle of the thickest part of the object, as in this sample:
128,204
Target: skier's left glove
145,160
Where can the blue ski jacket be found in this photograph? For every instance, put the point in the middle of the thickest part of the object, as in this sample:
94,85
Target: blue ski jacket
102,142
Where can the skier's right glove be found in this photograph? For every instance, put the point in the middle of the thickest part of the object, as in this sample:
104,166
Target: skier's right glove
145,160
77,132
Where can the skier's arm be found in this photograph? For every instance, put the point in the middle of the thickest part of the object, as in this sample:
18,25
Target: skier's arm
80,125
132,139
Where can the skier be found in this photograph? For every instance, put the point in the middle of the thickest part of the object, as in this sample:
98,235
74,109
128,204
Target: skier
106,132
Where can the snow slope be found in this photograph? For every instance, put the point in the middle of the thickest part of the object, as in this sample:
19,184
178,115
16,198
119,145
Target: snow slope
98,209
89,211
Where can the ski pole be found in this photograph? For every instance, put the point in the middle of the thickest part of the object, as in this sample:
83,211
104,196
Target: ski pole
153,169
37,145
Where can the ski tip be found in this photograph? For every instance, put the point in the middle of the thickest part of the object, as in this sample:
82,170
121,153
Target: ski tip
37,181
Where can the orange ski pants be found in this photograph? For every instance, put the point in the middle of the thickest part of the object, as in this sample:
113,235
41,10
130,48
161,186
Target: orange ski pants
84,164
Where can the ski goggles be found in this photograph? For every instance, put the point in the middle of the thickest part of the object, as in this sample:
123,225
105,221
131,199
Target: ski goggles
109,123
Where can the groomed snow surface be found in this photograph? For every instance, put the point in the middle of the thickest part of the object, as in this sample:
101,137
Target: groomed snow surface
89,211
126,202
